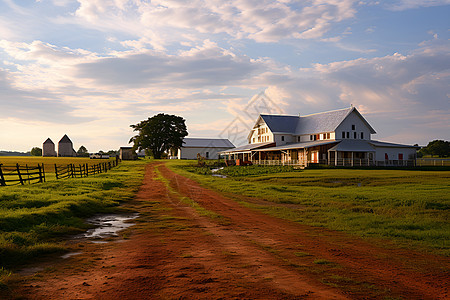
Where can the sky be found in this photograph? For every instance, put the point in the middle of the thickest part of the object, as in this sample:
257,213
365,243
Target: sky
92,68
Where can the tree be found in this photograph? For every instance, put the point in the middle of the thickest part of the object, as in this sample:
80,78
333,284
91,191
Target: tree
437,147
159,133
36,151
83,152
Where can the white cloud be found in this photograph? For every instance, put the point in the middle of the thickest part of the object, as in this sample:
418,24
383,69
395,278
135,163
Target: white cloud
263,21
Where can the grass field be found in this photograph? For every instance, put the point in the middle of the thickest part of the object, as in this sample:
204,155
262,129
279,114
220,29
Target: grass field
411,208
33,218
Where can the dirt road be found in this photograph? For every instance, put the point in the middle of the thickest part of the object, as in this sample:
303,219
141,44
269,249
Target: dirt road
219,249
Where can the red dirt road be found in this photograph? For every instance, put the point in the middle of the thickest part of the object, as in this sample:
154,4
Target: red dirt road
231,252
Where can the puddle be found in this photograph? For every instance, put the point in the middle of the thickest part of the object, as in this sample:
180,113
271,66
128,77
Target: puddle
70,254
107,226
217,175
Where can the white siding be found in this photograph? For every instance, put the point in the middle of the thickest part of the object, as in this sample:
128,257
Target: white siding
261,134
346,126
191,152
393,153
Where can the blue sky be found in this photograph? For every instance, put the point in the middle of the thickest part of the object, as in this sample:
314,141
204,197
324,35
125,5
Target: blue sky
91,68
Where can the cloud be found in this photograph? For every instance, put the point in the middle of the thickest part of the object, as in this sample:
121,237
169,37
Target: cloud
163,22
206,65
412,4
36,105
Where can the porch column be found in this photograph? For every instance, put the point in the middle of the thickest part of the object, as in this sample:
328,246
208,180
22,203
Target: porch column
335,158
352,158
259,157
329,158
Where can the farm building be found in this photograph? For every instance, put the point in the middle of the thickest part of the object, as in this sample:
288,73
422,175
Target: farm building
127,153
65,147
340,138
207,148
48,148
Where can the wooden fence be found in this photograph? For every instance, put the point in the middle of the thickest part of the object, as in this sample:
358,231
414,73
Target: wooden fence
84,170
17,174
24,174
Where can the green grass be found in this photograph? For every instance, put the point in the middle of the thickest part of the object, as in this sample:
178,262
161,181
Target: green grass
33,218
410,208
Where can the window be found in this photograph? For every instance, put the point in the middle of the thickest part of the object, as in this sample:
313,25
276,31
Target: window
282,138
343,134
386,156
353,127
310,137
298,139
348,134
362,135
328,136
207,154
253,140
400,156
315,137
355,135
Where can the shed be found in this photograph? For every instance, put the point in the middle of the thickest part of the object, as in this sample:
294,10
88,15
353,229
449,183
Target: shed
65,147
127,153
206,147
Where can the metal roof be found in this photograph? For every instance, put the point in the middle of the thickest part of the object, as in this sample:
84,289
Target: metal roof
247,147
310,124
322,122
206,143
385,144
353,146
281,124
299,145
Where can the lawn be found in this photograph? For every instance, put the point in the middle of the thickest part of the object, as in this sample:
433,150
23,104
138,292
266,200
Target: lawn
410,208
33,218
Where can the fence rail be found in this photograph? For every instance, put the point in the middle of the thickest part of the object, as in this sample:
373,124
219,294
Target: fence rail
17,174
24,174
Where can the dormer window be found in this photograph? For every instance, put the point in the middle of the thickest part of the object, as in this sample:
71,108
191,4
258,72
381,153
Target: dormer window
354,135
282,138
343,134
362,135
353,127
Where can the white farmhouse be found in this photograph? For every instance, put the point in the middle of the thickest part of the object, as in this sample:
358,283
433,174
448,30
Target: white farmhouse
340,137
207,148
65,147
48,148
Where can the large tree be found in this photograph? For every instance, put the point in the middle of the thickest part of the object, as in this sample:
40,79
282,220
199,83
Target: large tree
159,134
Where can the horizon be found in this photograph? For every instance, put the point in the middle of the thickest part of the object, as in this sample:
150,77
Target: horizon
90,69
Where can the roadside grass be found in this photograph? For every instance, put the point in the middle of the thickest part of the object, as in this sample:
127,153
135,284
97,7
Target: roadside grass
34,219
411,208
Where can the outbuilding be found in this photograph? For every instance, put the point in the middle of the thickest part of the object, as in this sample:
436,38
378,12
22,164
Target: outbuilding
205,147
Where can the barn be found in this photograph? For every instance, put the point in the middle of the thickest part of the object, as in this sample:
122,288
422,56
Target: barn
48,148
65,147
206,147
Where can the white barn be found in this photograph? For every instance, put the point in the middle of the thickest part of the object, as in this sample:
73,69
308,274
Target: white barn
207,148
48,148
340,137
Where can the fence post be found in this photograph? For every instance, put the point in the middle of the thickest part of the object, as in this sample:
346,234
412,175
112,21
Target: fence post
56,172
20,175
2,178
81,171
40,173
43,172
106,167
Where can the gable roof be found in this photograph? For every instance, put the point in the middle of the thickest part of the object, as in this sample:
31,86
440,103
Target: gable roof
322,122
281,124
310,124
206,143
65,140
48,141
